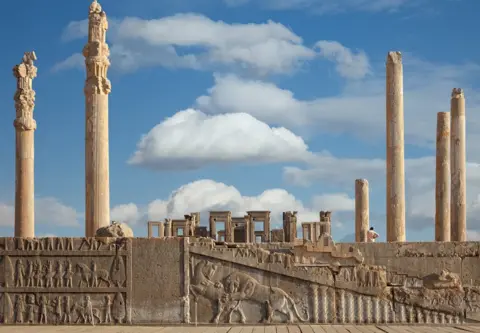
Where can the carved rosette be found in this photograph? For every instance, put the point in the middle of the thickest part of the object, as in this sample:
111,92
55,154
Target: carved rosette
96,53
24,96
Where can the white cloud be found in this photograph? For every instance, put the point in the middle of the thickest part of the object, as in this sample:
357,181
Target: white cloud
48,211
338,202
359,109
348,64
329,6
128,213
419,178
74,61
190,139
195,41
208,195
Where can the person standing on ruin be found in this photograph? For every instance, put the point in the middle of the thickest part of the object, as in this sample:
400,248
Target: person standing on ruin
371,235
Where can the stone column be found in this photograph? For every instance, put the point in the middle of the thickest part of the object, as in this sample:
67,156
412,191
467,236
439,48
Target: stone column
362,210
458,168
25,127
97,88
442,185
395,150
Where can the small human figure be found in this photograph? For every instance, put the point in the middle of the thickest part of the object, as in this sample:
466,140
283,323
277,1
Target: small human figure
68,275
59,275
89,310
31,306
49,274
108,309
58,309
67,310
20,273
94,278
19,309
30,274
371,235
43,303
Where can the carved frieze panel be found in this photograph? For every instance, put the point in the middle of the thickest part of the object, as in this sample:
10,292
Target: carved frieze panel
221,293
66,280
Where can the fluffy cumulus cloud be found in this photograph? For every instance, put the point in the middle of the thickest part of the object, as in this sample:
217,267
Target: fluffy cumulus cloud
208,195
348,64
190,139
329,6
48,211
359,109
197,42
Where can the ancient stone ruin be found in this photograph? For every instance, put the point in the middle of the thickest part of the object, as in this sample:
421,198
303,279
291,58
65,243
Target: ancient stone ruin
185,273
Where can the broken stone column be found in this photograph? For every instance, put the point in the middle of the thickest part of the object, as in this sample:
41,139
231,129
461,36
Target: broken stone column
395,150
97,88
458,212
25,127
362,212
442,185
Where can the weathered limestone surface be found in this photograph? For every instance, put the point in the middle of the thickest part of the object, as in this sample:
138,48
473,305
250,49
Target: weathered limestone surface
362,210
458,167
115,230
25,127
395,150
186,281
442,187
97,88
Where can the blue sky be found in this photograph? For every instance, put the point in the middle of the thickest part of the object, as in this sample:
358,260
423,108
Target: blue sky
275,105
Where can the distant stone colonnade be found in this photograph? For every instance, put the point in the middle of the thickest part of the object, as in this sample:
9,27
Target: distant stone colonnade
243,229
450,197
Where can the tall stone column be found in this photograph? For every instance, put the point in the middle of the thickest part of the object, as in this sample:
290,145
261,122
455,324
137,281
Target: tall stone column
442,186
362,210
25,127
458,167
97,88
395,150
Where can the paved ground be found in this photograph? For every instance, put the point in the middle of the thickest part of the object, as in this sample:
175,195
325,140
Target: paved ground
243,329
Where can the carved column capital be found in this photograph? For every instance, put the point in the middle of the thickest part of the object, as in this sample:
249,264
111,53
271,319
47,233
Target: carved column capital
24,96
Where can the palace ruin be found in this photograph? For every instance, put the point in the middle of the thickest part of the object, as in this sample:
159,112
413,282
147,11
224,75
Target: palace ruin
237,273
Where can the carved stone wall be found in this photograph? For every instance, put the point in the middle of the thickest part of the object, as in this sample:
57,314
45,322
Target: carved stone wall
181,280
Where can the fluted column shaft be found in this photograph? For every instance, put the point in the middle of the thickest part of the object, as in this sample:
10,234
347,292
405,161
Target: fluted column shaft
25,127
97,88
458,167
442,184
362,210
395,149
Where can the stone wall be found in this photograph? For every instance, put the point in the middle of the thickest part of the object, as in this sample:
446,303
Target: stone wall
182,281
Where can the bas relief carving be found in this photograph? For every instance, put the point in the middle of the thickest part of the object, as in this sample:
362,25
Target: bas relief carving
231,292
66,281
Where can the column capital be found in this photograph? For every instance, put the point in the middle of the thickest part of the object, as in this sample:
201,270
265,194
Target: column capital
394,57
24,96
457,93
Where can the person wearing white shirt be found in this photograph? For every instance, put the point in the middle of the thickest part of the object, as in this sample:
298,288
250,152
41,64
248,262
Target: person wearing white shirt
371,235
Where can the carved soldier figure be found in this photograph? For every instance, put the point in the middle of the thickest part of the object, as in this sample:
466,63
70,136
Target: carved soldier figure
38,273
67,310
31,306
89,310
94,277
19,309
58,309
68,275
43,303
108,309
30,273
19,273
69,244
59,275
49,274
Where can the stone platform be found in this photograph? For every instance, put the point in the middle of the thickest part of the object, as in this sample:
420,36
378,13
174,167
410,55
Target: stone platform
246,329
